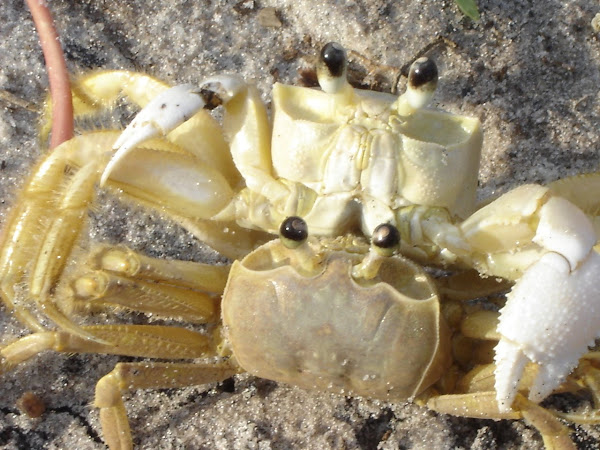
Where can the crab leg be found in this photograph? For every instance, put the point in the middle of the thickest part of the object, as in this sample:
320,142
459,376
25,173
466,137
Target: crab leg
478,400
31,233
36,246
18,244
152,341
483,405
184,274
133,340
131,376
170,288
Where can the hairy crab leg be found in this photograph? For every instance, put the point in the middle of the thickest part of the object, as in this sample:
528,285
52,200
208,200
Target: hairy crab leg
37,246
27,214
20,244
31,235
186,295
184,274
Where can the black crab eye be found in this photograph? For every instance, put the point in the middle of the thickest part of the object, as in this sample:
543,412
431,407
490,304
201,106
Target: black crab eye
333,56
293,231
386,239
423,72
331,69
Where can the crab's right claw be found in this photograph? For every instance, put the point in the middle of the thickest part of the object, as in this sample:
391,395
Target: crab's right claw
551,318
170,109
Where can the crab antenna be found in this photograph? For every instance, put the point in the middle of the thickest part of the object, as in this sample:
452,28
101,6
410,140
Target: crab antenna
384,243
332,68
58,77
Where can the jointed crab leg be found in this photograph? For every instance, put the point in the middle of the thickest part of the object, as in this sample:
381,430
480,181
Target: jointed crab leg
121,277
35,247
31,233
187,294
483,405
152,341
134,340
18,244
36,259
131,376
185,274
477,397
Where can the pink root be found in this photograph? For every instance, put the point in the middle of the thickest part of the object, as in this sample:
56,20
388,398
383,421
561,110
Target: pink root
58,77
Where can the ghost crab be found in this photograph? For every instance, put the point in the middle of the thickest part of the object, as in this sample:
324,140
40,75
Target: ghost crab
343,159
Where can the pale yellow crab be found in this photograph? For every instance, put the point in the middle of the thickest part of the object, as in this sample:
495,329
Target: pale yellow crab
345,160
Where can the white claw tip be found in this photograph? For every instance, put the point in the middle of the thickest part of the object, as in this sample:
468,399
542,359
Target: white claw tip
510,363
121,152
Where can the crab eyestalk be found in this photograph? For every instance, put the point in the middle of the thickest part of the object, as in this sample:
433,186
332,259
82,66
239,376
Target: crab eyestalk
384,243
422,82
293,234
332,68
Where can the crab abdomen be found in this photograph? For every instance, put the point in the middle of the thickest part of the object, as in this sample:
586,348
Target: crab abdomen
327,332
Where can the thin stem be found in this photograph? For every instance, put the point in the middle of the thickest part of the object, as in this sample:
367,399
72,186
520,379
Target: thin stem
58,77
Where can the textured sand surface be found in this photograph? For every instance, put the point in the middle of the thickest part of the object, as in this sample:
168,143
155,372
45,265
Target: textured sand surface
529,70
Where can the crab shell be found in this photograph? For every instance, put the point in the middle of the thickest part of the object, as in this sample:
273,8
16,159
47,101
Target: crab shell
429,158
309,323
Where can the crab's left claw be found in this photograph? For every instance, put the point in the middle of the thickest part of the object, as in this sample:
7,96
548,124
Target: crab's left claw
169,109
552,314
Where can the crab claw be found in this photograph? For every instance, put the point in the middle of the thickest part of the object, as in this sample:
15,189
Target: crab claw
169,109
552,315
